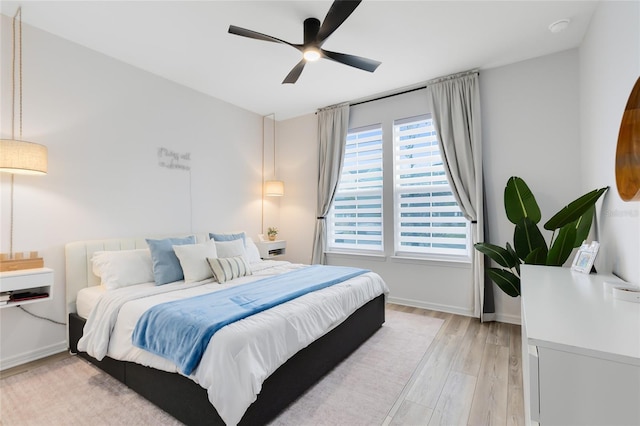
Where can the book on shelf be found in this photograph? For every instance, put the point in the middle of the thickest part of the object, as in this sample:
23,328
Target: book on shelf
27,295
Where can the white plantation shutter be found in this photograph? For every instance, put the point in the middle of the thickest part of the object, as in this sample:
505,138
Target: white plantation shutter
427,218
355,219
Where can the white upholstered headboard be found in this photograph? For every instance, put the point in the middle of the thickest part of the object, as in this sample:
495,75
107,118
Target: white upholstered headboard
79,272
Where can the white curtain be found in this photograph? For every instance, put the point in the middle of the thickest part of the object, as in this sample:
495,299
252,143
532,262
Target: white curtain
455,105
333,124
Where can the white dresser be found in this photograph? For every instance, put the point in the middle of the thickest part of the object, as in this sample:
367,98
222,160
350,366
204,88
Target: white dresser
581,350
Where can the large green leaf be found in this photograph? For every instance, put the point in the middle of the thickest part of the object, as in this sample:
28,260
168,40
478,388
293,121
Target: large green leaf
515,256
583,226
497,254
562,246
519,201
507,281
537,257
575,209
527,238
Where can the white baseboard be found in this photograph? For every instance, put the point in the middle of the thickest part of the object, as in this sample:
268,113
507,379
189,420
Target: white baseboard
510,319
25,357
506,318
432,306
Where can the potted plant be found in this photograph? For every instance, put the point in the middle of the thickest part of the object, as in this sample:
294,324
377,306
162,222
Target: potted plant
570,228
272,233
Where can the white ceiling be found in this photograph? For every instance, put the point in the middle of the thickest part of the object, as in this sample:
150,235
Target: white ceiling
187,42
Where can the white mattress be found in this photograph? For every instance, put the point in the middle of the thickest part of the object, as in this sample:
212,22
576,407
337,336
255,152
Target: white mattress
241,355
87,299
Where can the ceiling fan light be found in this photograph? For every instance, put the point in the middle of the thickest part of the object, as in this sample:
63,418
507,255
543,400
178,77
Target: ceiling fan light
311,54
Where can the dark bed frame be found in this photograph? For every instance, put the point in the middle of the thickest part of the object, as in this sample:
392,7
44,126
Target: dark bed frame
189,403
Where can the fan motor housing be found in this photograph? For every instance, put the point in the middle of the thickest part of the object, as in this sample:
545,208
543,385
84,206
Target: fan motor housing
311,28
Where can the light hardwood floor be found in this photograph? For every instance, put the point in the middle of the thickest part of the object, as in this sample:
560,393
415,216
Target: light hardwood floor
470,375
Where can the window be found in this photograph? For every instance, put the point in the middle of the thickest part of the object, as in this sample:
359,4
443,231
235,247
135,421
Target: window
427,219
355,219
423,217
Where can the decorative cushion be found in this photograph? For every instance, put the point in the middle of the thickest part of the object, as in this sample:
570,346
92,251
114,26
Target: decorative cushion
251,251
230,248
193,260
166,266
228,268
229,237
122,268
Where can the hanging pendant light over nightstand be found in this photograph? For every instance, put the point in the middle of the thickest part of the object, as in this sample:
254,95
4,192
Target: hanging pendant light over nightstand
273,187
16,155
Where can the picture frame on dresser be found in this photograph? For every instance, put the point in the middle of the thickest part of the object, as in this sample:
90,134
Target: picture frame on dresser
585,257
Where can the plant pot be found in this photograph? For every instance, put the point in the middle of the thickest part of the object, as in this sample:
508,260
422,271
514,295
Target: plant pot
272,237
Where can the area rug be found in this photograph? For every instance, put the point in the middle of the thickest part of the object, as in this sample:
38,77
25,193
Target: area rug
360,391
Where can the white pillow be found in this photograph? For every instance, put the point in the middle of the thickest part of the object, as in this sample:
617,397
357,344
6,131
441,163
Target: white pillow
193,259
230,248
122,268
252,252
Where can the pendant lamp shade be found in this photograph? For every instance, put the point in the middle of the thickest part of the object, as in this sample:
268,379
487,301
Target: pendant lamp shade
22,157
274,188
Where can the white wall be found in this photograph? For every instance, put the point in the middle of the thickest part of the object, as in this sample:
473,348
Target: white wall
609,67
103,122
530,129
298,167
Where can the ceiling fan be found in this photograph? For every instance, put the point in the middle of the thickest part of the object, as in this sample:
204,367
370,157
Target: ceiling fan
314,37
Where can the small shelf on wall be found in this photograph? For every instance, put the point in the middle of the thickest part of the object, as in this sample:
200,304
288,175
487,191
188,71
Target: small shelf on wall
25,286
271,249
628,149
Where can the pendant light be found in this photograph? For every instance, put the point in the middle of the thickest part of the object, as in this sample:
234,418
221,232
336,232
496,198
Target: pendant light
16,155
273,187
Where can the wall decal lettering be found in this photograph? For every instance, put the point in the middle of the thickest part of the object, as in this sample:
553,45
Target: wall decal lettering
174,160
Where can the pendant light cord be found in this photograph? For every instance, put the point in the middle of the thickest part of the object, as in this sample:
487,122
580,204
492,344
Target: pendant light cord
16,18
263,158
274,146
262,186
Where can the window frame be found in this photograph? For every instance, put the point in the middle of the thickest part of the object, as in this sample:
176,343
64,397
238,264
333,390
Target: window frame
331,246
430,187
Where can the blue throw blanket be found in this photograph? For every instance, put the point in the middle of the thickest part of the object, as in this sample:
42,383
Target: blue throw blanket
180,331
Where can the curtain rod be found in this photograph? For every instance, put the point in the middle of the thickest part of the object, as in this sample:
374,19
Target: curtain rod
434,81
388,96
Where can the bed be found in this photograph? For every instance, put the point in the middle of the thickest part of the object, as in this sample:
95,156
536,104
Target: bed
197,398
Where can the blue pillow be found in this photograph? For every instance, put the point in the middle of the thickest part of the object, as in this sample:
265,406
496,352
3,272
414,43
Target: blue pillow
166,266
229,237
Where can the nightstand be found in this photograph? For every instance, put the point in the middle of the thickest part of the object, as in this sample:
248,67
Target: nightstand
271,249
38,281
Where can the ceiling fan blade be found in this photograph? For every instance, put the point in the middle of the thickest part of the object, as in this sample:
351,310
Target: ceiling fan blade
259,36
293,75
352,60
337,14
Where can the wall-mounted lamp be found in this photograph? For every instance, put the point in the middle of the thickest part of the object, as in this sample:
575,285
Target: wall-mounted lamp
18,156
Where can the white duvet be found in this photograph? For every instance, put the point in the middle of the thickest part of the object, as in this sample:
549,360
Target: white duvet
240,356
